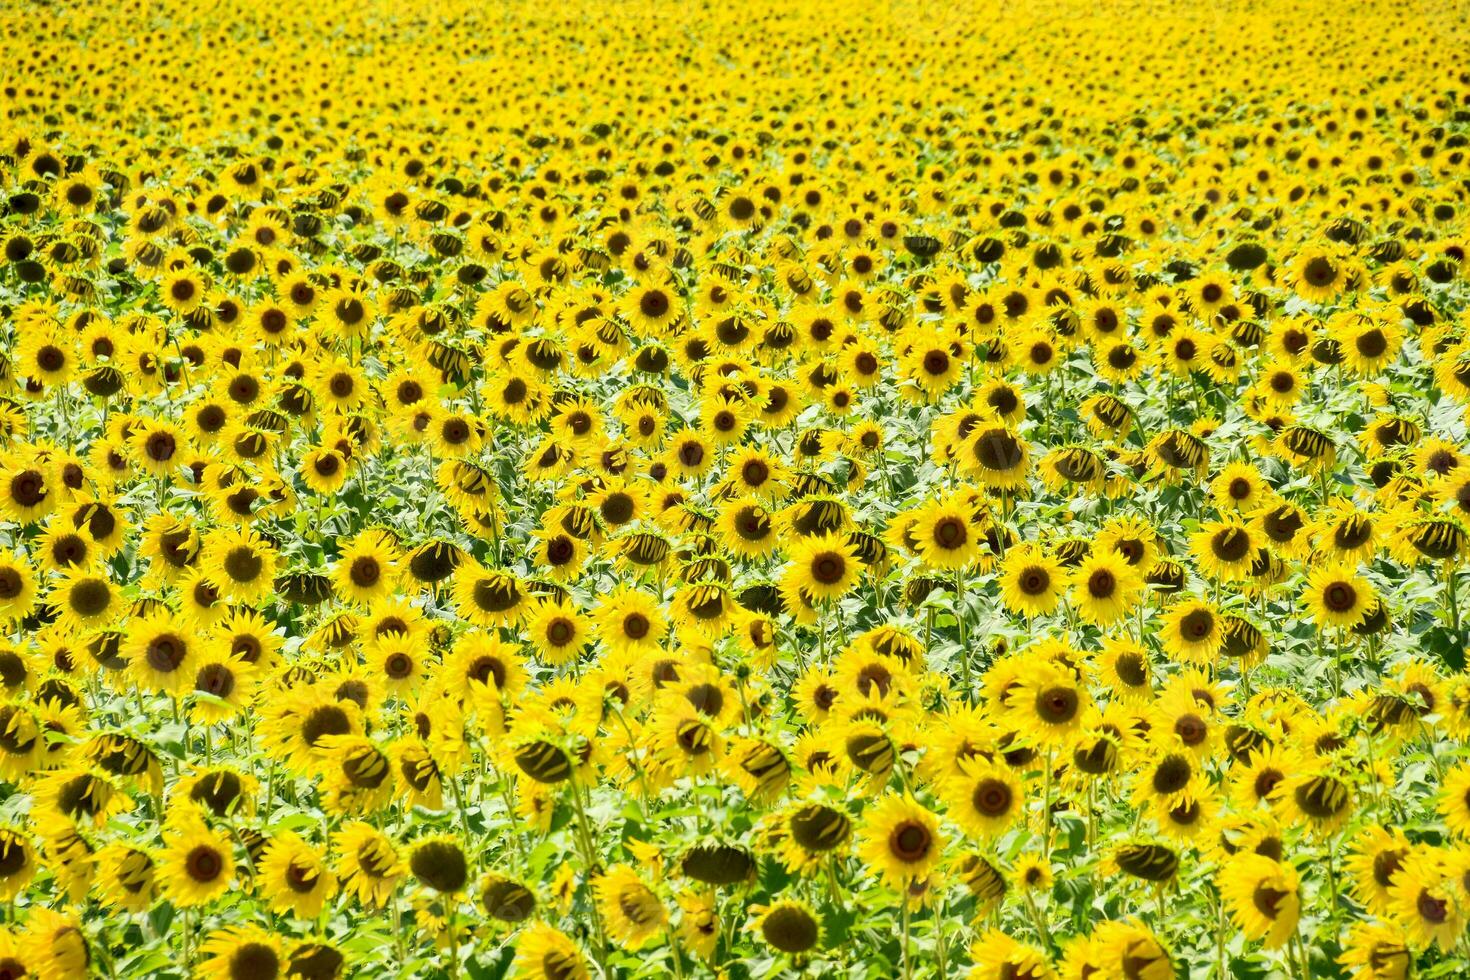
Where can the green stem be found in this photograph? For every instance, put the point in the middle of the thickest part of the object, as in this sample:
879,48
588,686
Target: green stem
1454,602
904,919
589,855
959,614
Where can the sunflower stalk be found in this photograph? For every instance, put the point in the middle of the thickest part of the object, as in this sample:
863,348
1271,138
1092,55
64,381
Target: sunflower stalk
589,855
1452,600
959,613
903,915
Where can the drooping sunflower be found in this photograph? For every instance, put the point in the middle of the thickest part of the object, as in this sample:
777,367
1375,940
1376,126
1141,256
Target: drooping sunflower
1263,896
996,456
546,953
1224,549
788,926
631,912
439,863
807,833
127,877
242,952
368,865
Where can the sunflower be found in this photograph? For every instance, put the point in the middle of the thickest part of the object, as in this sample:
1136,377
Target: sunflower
631,912
748,528
368,865
984,799
48,356
56,944
1119,360
901,840
293,724
171,545
1046,701
1426,902
997,956
127,877
18,863
652,310
1337,596
683,741
104,522
945,536
1130,949
1346,534
489,597
241,563
239,952
249,637
324,471
1169,777
85,598
546,953
996,456
294,876
161,653
17,587
201,604
1263,897
1376,951
1104,588
367,569
1318,273
1124,667
1454,800
1266,766
823,566
931,368
558,632
1377,856
197,864
1192,631
1239,487
1224,549
1285,527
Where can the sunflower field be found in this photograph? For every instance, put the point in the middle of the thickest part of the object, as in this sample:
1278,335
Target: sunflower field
615,488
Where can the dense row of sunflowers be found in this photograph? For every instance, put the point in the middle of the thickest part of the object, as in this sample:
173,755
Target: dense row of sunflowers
757,491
